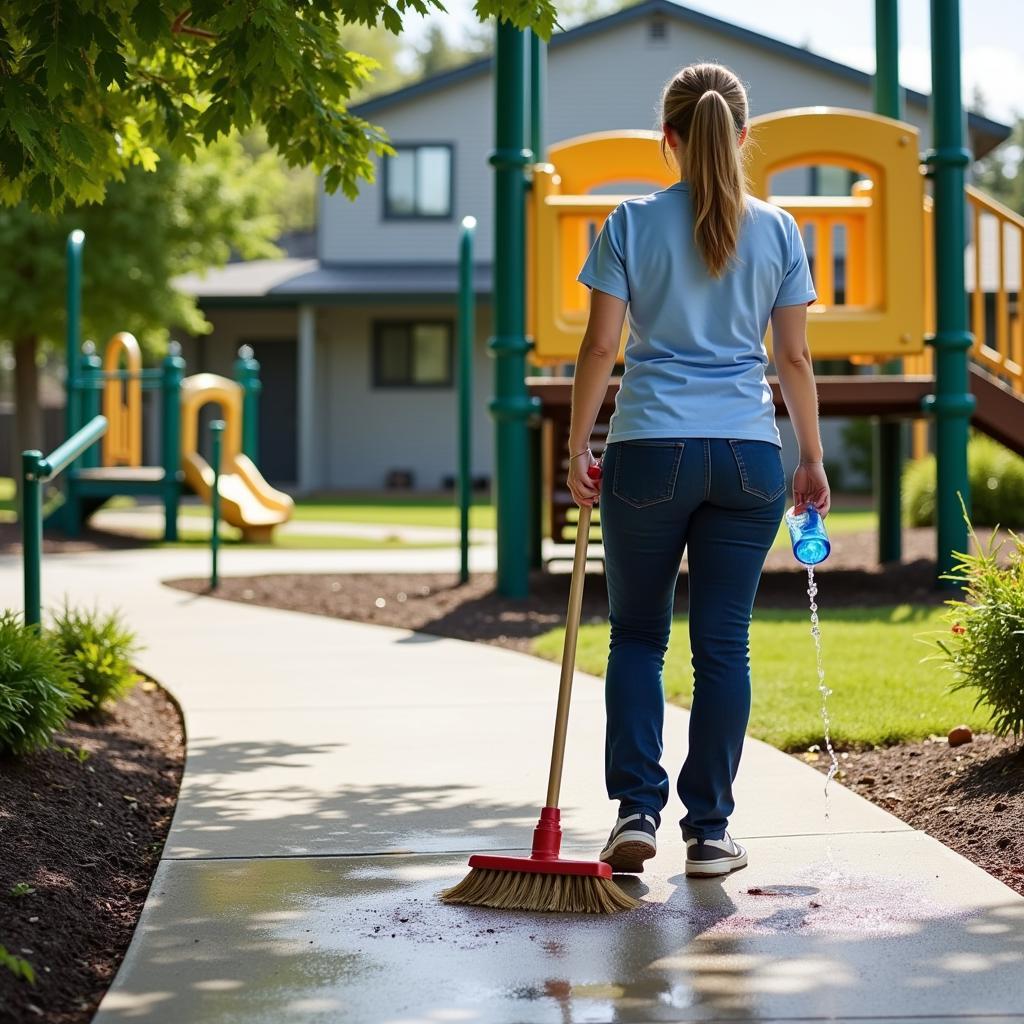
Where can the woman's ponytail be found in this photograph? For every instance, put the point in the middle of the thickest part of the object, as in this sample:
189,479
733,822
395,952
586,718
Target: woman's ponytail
707,106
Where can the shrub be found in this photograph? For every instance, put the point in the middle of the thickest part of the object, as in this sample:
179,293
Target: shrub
996,477
18,966
99,650
985,644
37,692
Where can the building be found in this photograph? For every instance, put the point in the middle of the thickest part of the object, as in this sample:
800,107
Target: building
356,341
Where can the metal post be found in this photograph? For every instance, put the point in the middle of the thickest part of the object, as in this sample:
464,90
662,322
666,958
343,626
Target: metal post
173,374
888,434
32,533
88,385
73,329
247,373
467,333
952,402
216,434
511,406
538,84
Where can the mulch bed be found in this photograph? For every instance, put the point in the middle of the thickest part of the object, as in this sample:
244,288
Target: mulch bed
969,797
57,543
436,603
86,836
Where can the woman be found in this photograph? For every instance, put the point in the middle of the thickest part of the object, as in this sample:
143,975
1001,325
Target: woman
693,458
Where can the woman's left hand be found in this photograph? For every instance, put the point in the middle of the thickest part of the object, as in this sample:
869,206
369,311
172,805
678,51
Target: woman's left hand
585,490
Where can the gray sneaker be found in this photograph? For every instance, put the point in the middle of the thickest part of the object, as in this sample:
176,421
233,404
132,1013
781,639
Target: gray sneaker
706,858
631,843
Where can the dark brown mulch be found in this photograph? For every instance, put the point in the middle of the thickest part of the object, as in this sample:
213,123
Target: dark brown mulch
970,797
54,542
435,603
86,837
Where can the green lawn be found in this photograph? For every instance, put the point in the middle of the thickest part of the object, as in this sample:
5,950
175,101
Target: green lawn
233,538
389,512
882,692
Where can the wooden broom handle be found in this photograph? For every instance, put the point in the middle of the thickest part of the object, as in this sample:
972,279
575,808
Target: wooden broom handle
572,627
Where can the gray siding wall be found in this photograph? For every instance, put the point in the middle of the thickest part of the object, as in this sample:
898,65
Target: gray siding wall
362,431
605,81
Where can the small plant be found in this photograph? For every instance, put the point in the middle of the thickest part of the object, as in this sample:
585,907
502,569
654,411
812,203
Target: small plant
985,644
79,754
996,478
17,966
99,649
37,692
22,889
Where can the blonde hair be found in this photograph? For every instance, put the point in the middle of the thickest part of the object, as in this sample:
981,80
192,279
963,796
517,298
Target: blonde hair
706,105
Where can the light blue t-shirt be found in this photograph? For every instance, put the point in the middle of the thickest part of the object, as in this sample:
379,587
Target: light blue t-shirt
695,358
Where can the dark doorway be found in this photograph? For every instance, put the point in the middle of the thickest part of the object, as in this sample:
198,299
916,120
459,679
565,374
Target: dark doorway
278,432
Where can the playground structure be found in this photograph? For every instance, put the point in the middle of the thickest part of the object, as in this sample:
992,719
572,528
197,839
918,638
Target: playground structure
117,383
883,308
904,303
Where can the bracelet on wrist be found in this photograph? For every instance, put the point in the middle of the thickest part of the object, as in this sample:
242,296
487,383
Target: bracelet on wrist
578,454
812,462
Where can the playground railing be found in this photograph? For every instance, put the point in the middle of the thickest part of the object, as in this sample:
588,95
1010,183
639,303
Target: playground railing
36,470
996,266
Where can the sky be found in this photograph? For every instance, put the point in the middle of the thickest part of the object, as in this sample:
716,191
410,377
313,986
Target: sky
992,39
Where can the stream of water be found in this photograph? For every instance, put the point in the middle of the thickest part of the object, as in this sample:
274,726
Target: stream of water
812,593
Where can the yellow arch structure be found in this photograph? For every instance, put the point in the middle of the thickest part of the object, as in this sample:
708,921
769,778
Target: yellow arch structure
247,500
122,402
883,311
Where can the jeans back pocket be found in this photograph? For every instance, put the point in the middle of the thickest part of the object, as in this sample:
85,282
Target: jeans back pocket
760,467
645,472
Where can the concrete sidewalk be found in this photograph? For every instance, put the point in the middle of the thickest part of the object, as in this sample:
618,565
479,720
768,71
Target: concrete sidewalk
339,774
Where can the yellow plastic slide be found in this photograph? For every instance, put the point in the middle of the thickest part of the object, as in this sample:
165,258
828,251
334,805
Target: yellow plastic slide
247,501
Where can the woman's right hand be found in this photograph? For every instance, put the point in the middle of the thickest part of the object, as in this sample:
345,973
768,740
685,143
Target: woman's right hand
585,489
810,487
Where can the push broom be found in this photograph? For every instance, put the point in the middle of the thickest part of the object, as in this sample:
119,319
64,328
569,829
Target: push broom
545,880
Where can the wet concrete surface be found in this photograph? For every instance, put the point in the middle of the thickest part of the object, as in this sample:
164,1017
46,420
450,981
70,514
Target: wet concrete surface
814,928
314,744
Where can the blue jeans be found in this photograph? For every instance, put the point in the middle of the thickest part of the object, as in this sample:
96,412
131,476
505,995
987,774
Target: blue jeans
723,500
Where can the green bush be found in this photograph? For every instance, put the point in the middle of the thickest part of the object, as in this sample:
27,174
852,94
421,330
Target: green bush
985,644
997,486
99,650
17,965
37,692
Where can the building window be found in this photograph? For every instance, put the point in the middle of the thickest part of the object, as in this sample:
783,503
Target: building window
412,354
657,31
418,182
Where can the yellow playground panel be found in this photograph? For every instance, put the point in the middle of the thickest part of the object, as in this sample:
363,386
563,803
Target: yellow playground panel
247,500
122,401
882,314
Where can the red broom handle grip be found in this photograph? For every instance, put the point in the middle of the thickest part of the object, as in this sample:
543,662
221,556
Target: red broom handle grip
572,624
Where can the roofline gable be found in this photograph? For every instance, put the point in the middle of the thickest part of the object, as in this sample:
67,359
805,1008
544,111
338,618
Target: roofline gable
667,8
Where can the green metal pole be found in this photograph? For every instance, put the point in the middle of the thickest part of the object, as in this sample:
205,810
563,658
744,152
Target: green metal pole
88,384
173,374
952,402
467,333
247,373
511,406
888,433
538,85
216,434
32,533
73,329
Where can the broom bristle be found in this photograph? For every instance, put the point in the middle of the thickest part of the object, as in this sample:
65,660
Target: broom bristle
531,890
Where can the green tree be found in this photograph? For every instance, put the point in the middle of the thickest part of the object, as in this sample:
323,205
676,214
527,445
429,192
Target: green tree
89,88
152,226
